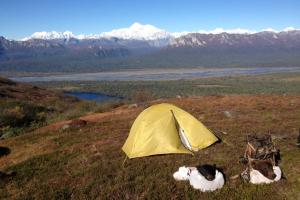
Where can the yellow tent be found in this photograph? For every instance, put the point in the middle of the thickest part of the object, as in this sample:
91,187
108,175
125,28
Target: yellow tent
164,129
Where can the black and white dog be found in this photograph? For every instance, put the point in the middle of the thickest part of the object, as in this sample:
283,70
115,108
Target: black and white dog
205,177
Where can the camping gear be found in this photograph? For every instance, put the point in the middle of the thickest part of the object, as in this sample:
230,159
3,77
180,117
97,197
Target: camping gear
198,180
259,148
257,178
165,129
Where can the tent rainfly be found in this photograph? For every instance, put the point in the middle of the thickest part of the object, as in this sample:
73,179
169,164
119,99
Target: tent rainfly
165,129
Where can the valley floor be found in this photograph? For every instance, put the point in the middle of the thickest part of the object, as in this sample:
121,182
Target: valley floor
86,162
280,83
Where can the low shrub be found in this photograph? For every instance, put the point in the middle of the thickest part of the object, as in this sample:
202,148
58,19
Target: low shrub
142,96
18,115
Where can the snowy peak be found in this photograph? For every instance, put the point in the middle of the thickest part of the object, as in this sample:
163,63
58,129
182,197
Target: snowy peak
50,35
138,31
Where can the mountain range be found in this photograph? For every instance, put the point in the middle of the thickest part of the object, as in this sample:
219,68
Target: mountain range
145,46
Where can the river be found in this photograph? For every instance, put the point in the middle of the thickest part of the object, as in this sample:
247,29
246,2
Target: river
160,74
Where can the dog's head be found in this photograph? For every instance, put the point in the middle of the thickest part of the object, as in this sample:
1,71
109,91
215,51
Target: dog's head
264,167
208,171
182,174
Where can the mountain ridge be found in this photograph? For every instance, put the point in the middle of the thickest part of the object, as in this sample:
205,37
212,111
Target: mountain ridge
112,53
138,31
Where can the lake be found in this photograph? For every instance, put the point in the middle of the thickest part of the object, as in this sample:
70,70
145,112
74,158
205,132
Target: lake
158,74
91,96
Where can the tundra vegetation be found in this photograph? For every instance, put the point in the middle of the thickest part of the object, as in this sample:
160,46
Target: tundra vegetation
86,162
282,83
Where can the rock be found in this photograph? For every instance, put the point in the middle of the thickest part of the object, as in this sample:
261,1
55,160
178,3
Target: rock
178,97
78,123
201,117
132,106
66,126
228,114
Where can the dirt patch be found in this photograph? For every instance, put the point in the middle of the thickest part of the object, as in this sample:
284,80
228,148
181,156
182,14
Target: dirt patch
92,118
292,79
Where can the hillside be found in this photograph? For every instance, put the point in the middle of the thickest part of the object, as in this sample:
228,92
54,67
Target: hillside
11,90
24,107
86,162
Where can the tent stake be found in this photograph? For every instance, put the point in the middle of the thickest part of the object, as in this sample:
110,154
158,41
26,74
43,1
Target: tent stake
124,161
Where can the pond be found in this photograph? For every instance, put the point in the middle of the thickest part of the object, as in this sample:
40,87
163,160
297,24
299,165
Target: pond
92,96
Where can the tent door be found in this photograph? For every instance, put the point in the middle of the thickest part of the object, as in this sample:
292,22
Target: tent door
184,139
182,135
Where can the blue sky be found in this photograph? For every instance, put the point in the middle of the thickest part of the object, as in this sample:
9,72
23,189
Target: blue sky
20,18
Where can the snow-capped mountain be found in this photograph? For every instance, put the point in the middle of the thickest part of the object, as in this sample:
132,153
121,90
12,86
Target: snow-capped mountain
139,31
142,37
147,46
288,38
136,31
154,36
50,35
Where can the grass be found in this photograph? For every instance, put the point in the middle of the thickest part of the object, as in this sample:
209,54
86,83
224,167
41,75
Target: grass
87,163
